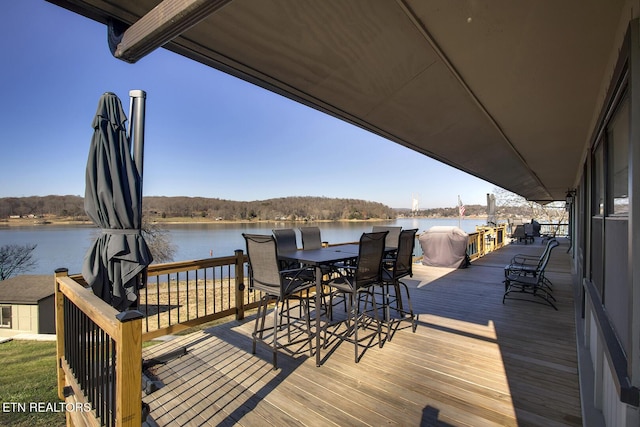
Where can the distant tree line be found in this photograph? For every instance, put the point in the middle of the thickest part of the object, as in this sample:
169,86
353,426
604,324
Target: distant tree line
470,210
66,206
285,208
502,212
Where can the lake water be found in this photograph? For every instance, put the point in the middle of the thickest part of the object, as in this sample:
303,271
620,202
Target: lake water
65,246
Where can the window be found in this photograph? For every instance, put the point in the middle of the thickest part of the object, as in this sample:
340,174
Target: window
598,180
5,316
618,161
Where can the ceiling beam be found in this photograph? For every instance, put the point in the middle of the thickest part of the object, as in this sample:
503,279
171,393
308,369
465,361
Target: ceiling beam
162,24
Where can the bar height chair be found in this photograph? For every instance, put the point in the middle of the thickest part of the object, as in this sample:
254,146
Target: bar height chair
393,271
279,286
311,238
353,282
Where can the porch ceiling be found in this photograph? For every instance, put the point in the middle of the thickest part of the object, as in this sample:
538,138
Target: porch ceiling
508,96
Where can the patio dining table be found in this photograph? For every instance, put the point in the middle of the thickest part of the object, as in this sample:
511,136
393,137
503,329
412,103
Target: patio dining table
319,258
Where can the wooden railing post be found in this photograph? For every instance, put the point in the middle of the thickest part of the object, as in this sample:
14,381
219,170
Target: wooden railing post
239,284
129,369
59,301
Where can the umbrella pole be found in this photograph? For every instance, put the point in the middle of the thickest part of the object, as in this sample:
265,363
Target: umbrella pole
136,131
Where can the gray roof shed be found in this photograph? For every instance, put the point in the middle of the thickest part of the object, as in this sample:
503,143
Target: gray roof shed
26,289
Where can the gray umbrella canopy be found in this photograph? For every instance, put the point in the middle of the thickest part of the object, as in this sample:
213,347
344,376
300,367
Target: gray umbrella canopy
113,200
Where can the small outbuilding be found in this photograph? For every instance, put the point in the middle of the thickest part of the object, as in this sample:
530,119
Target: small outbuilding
27,305
444,246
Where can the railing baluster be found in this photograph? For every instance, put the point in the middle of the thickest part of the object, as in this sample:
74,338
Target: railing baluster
169,297
187,296
112,383
215,296
204,293
230,285
157,302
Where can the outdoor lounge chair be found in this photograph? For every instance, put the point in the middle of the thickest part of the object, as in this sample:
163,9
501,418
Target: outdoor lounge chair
518,283
528,264
280,286
520,233
352,282
392,273
529,233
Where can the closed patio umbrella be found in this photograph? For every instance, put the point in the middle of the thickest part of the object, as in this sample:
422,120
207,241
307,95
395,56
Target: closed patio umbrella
113,200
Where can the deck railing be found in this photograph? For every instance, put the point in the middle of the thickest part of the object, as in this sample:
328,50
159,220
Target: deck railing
554,230
99,353
180,295
99,349
486,239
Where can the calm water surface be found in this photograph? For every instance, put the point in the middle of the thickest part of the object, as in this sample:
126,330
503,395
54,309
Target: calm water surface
65,246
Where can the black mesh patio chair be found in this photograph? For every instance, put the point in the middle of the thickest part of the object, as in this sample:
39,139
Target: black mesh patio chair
286,239
355,281
529,233
519,234
311,238
393,235
393,271
391,242
519,283
279,286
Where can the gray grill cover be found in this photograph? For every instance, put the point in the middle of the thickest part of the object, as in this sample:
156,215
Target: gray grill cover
444,246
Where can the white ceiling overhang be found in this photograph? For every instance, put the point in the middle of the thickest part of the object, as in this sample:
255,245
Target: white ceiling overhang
503,90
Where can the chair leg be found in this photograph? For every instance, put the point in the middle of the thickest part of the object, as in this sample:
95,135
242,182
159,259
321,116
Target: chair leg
276,326
387,307
375,313
359,314
308,320
411,314
396,303
356,313
260,319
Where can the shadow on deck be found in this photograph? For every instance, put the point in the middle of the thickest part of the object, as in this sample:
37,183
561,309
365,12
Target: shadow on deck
472,361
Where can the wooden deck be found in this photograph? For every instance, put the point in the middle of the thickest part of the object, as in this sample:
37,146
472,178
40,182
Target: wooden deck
472,362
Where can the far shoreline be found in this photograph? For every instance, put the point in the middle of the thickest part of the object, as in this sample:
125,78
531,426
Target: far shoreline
53,220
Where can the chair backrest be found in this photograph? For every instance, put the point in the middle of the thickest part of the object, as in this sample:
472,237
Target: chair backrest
528,229
404,258
310,238
392,237
286,239
519,231
262,251
545,260
371,250
547,249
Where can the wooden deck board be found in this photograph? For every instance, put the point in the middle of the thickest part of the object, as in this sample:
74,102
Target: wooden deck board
473,361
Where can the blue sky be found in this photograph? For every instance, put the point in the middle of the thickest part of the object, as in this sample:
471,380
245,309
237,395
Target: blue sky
207,134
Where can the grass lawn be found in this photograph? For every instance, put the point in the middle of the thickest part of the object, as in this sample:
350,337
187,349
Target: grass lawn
28,376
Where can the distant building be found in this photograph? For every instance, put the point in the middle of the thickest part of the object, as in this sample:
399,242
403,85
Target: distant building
27,305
